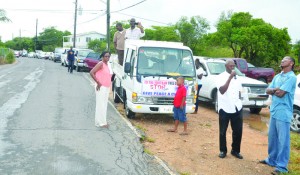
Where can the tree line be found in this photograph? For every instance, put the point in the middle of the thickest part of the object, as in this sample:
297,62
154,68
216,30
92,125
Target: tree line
238,35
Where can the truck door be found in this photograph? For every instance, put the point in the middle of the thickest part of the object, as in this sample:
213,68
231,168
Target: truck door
128,79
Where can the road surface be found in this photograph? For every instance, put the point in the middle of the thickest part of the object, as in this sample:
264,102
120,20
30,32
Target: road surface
47,126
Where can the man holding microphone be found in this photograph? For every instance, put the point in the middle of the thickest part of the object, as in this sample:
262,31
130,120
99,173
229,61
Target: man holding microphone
230,109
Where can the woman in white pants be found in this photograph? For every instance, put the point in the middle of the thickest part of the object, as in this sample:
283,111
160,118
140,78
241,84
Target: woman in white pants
102,73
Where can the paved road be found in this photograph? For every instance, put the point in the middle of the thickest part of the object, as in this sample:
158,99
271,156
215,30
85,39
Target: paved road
47,126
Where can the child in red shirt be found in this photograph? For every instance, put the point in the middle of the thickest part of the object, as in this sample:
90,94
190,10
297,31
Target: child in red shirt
179,107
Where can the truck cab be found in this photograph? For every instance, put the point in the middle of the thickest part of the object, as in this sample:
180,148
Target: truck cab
146,82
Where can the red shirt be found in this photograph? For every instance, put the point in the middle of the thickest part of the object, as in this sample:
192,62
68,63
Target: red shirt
180,94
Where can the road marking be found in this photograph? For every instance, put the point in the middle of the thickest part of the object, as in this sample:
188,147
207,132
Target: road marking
8,108
3,83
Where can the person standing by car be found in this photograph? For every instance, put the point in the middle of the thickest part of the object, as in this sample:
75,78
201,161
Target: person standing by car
282,89
135,32
199,73
119,39
230,109
101,74
71,59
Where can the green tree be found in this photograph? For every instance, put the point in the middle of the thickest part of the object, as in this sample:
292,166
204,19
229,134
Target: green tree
3,17
192,31
162,33
97,45
20,43
51,38
254,39
296,51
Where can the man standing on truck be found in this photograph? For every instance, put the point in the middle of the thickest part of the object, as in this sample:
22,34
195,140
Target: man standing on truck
135,32
70,58
230,109
119,39
282,89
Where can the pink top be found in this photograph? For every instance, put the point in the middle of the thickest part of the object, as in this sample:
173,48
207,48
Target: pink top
104,75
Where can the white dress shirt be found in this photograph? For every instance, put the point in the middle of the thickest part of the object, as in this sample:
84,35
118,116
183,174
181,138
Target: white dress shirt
230,100
134,33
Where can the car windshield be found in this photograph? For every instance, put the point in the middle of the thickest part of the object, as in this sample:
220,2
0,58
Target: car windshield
250,65
94,56
165,61
83,53
215,68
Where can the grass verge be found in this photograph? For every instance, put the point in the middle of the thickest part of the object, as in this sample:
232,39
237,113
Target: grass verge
294,164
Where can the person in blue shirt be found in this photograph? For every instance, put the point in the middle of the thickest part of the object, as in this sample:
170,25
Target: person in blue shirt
71,59
282,89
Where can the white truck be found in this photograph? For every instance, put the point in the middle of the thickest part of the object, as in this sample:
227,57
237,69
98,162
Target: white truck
146,82
253,94
295,124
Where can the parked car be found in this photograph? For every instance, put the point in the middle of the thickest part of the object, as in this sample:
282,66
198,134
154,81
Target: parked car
41,55
81,55
31,55
38,52
24,53
253,94
17,53
262,74
295,124
63,58
57,53
91,60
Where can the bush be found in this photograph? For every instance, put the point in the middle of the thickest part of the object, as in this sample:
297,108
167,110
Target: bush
2,60
10,58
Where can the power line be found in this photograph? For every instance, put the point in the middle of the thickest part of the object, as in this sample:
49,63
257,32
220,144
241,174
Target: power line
144,18
128,7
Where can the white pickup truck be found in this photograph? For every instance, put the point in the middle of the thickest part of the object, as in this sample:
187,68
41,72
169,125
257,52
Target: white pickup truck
146,82
253,94
295,124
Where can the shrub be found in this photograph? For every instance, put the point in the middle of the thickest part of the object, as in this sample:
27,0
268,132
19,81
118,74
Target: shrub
10,58
2,60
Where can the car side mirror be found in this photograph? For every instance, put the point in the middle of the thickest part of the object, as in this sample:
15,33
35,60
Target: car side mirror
127,67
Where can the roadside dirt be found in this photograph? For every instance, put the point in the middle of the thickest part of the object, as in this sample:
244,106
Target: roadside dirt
197,153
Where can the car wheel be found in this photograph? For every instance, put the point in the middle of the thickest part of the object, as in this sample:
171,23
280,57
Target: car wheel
128,112
255,110
295,123
115,96
216,102
262,79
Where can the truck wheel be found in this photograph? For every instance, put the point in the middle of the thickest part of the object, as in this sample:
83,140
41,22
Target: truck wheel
262,79
115,96
255,110
128,112
216,102
295,124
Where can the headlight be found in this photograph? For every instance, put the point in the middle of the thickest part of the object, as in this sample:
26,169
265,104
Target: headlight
147,100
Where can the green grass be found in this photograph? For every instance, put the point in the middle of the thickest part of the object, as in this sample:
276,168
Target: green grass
294,164
148,139
147,151
184,173
140,128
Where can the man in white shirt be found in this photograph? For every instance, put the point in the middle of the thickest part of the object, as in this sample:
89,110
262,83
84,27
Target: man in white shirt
230,109
133,32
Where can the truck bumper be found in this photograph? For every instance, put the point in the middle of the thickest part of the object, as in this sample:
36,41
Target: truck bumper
156,109
255,103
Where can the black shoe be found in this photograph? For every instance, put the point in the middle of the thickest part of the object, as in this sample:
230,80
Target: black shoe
236,154
263,162
222,154
276,172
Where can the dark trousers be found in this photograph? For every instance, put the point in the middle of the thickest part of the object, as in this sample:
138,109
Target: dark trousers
70,65
236,121
197,99
120,56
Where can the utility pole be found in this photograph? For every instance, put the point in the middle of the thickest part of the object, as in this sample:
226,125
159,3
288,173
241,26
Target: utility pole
35,41
75,23
108,25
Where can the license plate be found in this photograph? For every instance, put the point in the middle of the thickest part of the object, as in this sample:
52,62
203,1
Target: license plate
166,109
259,103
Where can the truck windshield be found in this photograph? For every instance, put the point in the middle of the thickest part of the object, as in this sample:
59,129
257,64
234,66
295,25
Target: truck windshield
215,68
165,62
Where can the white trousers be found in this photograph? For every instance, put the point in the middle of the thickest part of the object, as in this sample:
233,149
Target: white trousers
101,106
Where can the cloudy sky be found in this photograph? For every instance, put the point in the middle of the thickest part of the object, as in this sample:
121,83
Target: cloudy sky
60,13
